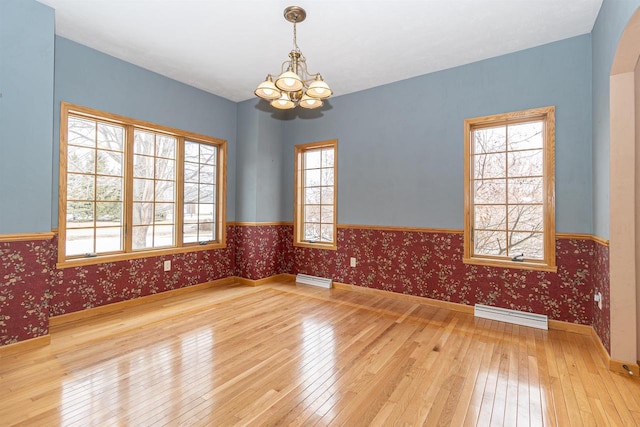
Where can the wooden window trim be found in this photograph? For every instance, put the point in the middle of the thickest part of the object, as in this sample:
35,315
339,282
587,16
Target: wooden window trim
548,115
130,124
298,228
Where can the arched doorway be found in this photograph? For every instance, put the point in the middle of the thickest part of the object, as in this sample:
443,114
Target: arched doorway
625,195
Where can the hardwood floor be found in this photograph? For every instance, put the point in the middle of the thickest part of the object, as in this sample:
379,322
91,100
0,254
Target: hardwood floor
293,355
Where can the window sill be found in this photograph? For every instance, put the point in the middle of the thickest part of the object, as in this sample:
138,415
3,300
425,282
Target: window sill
327,246
535,266
101,259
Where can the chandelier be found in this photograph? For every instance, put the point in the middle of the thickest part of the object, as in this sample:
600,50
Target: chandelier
295,86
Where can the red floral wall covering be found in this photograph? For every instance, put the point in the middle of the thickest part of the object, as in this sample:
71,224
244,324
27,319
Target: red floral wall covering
601,283
263,251
430,265
25,269
417,263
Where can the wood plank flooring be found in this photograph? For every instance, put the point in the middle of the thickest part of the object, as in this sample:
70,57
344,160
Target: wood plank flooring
293,355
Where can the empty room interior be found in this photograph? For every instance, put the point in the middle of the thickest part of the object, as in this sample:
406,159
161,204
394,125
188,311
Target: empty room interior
320,213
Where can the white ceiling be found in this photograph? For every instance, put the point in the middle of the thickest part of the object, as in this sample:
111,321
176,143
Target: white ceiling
227,47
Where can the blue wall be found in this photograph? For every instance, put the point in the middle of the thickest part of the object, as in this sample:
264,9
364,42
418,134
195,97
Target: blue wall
400,146
611,22
90,78
26,121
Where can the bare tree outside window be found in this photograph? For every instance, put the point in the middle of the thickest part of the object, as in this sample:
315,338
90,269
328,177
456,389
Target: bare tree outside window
315,195
129,187
510,183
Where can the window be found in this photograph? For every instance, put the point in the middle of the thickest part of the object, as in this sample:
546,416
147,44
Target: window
130,189
315,198
510,190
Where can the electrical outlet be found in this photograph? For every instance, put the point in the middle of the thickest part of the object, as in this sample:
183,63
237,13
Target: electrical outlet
353,262
598,298
167,265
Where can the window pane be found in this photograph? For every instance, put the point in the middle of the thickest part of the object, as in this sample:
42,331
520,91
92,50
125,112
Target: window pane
312,195
80,187
165,191
489,242
108,214
142,213
144,143
490,192
163,236
142,237
109,163
190,214
191,193
191,152
312,159
525,163
327,177
529,244
327,195
81,132
489,140
326,215
207,174
191,172
190,233
164,213
326,232
81,159
165,169
206,232
79,241
207,154
312,178
79,214
490,217
207,193
110,137
525,190
108,239
312,213
526,217
327,158
489,166
206,212
526,135
143,190
143,166
312,232
109,188
166,146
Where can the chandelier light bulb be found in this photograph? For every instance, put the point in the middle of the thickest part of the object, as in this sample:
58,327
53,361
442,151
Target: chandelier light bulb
267,90
289,81
309,102
283,103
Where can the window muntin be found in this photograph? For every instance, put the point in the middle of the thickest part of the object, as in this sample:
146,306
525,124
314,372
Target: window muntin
509,190
315,222
121,188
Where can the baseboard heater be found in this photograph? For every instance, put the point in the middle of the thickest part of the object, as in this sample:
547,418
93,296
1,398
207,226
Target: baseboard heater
539,321
306,279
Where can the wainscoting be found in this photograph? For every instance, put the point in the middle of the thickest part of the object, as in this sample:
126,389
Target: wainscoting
421,262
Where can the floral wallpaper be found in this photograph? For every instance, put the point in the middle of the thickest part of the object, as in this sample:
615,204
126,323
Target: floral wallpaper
25,269
263,251
410,262
78,288
430,265
602,318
